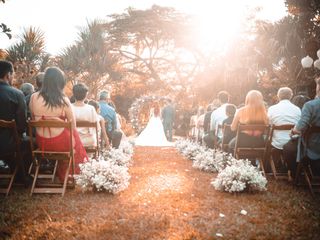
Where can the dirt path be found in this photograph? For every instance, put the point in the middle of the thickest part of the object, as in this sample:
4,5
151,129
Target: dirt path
166,199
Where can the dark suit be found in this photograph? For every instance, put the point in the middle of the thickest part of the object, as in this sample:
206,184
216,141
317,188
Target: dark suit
13,107
167,119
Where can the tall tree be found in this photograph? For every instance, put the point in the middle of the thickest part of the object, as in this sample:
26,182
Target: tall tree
148,43
28,54
89,59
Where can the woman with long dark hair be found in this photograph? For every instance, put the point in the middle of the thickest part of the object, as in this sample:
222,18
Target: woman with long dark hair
50,103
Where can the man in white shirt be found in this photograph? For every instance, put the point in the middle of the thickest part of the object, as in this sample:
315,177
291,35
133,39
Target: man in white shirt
283,113
218,115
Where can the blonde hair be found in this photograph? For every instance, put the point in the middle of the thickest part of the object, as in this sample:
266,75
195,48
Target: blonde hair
254,111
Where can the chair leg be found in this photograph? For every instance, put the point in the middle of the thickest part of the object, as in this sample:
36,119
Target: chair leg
54,170
262,167
66,177
11,180
273,167
298,172
307,178
35,177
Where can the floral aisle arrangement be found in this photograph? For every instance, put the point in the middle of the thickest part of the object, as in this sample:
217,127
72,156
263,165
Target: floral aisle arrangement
203,158
109,172
234,175
238,176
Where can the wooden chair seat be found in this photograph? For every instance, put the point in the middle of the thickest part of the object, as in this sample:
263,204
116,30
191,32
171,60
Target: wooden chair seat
15,156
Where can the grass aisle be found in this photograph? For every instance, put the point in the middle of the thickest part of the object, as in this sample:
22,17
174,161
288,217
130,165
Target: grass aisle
166,199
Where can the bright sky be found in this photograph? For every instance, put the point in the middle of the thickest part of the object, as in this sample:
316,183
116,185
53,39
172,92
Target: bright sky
60,20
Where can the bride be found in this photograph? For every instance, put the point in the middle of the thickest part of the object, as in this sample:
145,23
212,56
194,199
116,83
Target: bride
153,134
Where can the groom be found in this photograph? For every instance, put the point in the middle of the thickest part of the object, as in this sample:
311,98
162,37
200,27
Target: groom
167,116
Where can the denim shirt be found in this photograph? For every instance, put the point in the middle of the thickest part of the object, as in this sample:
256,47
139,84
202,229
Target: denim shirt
109,114
310,116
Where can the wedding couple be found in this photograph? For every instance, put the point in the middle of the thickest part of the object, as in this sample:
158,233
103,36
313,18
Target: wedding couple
159,128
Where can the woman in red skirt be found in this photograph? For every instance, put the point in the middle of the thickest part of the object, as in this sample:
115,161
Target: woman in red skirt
50,103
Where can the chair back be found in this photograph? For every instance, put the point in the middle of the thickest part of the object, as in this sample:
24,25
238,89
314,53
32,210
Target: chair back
11,125
265,131
284,127
38,155
50,124
87,124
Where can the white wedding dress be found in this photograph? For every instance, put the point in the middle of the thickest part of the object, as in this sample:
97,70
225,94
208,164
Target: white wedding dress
153,134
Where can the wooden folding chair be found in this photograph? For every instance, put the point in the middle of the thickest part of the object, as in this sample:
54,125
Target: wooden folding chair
87,124
39,155
215,141
224,143
252,152
272,150
304,166
16,155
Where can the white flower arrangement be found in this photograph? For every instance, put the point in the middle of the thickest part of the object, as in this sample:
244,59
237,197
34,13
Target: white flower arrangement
108,172
233,175
238,176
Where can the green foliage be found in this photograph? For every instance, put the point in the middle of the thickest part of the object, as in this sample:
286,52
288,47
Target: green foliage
28,55
89,59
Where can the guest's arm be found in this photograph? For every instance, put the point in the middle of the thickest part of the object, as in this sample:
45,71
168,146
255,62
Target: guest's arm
304,121
21,114
235,122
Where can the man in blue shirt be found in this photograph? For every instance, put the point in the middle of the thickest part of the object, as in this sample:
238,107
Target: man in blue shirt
310,116
108,113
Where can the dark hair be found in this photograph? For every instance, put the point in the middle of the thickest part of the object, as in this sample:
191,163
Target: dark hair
231,110
80,91
94,103
300,100
111,104
5,68
39,79
223,97
52,88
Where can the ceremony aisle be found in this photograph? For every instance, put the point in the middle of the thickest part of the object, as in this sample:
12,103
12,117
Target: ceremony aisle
166,199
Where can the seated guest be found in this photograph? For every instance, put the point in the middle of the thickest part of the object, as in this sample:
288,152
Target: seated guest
300,100
228,134
109,115
283,113
254,112
28,90
193,125
50,103
200,124
310,116
13,106
207,116
209,136
39,80
102,123
84,112
219,114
